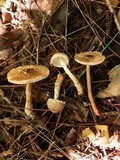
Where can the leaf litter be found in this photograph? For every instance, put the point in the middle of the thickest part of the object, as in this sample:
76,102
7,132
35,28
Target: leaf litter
30,33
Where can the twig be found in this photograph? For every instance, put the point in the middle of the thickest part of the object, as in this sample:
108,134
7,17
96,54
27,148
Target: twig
115,17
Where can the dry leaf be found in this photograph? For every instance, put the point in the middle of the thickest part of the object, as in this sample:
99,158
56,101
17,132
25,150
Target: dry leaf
88,133
114,73
118,16
70,138
80,112
114,141
46,6
113,88
100,145
2,29
114,3
74,154
100,139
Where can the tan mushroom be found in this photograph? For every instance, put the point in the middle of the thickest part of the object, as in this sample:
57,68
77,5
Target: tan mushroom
90,58
61,60
55,105
27,75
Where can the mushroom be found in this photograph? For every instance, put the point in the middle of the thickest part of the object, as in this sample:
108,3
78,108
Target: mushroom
61,60
55,105
90,58
28,74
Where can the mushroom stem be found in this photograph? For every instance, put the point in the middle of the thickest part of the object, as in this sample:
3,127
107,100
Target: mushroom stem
28,104
57,85
90,95
73,78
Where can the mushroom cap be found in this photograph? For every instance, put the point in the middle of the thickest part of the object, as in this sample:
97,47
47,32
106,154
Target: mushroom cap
55,59
55,105
27,74
89,58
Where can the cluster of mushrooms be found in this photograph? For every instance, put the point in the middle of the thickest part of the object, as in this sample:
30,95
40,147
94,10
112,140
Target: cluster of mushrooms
29,74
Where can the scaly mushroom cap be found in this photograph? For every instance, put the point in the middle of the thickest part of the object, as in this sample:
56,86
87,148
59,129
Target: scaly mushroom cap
89,58
27,74
55,105
55,59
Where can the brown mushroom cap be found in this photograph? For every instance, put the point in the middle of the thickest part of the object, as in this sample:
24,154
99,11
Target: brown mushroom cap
55,59
27,74
55,105
89,58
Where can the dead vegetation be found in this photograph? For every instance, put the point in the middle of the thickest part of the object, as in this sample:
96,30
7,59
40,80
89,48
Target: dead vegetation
30,33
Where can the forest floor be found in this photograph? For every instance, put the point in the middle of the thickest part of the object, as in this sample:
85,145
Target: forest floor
30,33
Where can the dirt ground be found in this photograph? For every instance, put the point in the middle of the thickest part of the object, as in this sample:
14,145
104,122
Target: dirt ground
30,33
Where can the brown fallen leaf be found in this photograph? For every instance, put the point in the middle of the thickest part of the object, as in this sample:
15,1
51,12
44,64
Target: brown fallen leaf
114,3
113,88
118,16
46,6
114,73
6,17
70,138
79,110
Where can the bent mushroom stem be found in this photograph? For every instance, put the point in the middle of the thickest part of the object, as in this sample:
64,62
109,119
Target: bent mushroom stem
90,95
58,84
28,104
73,78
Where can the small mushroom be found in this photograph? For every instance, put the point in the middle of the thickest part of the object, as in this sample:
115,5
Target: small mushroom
55,105
28,74
90,58
61,60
